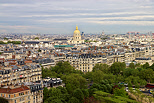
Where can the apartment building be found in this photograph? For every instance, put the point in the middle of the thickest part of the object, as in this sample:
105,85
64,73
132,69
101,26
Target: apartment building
16,94
143,60
84,62
20,74
36,92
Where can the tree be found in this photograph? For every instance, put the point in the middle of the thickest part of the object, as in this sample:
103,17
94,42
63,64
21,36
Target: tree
14,42
117,67
85,93
146,65
39,50
64,68
132,66
91,91
53,92
78,94
1,42
73,100
135,72
62,89
45,94
103,67
110,77
152,66
147,74
138,65
5,38
120,92
127,72
36,38
3,100
97,76
95,85
74,81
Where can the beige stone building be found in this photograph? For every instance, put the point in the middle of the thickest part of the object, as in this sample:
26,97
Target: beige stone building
16,94
15,75
76,37
85,62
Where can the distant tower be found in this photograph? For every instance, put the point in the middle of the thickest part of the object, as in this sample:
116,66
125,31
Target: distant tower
103,33
82,34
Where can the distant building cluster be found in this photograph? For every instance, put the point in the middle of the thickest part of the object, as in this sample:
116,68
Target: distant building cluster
20,63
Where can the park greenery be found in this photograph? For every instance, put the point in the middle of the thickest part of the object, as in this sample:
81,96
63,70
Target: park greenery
36,38
90,41
105,84
13,42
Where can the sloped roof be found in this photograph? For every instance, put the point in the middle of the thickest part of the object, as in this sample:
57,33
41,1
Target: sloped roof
15,90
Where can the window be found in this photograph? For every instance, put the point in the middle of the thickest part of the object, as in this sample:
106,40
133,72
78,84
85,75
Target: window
1,95
9,96
14,95
4,95
15,101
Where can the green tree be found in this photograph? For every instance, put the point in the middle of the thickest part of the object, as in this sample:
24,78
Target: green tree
36,38
135,72
78,94
152,66
117,67
147,74
91,91
73,100
85,93
3,100
74,81
103,67
132,66
64,68
5,38
62,89
109,88
97,76
1,42
146,65
127,72
120,92
45,94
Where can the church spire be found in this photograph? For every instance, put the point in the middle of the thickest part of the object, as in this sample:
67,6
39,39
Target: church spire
76,27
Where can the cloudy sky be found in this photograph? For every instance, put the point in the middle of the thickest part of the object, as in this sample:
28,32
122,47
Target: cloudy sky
61,16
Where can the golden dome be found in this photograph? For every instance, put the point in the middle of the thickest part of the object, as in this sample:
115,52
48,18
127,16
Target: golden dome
76,31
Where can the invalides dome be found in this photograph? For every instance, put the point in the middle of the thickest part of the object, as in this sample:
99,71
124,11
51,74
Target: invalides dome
76,31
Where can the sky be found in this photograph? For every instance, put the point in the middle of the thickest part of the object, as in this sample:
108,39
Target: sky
62,16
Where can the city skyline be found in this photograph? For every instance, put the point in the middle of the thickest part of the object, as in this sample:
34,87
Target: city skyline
61,17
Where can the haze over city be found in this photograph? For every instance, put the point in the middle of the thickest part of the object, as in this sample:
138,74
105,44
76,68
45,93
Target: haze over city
61,16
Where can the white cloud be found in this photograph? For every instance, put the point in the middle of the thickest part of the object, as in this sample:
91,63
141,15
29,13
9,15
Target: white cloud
140,23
